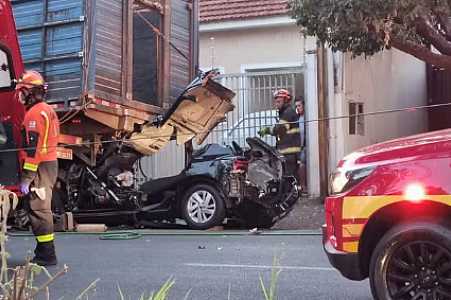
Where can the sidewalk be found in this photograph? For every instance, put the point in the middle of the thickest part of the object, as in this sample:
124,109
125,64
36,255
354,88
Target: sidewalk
308,214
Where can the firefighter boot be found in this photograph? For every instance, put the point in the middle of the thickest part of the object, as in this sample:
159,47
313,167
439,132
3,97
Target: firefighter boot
45,254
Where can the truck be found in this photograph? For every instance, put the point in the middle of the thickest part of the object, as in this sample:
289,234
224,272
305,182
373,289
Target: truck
122,76
388,217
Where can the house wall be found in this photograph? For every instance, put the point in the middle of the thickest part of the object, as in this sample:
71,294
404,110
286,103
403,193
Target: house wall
389,80
266,49
233,49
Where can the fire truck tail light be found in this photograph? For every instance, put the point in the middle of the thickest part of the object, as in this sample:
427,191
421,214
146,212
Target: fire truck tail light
415,192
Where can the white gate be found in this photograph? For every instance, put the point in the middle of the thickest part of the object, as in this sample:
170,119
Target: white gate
254,103
253,110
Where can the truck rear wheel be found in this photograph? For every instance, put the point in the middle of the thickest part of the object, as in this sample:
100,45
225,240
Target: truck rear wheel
412,261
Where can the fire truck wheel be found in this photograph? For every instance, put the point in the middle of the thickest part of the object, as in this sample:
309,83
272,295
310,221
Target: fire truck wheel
412,261
203,207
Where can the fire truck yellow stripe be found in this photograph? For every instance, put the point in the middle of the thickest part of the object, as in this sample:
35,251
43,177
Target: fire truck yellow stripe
363,207
352,247
352,230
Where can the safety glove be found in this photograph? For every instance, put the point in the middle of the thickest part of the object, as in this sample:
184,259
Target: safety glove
264,132
25,188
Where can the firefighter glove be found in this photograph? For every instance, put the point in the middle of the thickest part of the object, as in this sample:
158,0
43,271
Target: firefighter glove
25,188
264,131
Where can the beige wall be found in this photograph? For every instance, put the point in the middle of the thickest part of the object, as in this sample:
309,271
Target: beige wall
389,80
258,46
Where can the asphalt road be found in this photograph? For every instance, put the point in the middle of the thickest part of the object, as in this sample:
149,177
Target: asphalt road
209,266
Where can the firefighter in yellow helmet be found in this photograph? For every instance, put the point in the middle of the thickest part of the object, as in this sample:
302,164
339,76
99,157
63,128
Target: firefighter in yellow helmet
40,167
286,131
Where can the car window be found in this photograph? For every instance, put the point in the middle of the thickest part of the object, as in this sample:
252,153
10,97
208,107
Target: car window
6,80
3,136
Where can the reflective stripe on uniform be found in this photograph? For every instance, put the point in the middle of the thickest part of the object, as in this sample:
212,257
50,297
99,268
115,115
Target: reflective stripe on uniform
30,167
293,131
45,238
46,133
290,150
285,123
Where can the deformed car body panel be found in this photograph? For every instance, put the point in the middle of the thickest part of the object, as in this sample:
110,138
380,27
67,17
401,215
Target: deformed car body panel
198,110
265,166
263,188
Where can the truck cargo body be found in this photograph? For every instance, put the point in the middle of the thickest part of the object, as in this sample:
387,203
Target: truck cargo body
118,61
121,75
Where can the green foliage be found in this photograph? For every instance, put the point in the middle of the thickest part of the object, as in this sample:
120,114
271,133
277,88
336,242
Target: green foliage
161,294
365,27
270,293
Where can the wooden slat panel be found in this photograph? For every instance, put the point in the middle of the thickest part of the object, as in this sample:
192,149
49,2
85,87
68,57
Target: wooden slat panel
109,43
181,37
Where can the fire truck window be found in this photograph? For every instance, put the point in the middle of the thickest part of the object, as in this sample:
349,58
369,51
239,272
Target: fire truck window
5,74
3,136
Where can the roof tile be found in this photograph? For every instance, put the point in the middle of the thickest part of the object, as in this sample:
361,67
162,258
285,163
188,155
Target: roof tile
228,10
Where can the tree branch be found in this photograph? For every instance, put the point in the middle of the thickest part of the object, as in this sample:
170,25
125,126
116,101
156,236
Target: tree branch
445,23
422,53
427,31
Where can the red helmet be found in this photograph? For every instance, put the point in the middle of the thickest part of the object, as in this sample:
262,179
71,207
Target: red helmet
282,93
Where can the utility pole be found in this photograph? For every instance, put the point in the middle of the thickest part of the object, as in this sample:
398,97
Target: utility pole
323,125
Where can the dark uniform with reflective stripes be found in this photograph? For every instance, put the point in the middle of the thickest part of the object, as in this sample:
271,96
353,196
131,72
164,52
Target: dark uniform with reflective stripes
40,169
288,138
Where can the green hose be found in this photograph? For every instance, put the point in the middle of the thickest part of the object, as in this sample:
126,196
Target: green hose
120,236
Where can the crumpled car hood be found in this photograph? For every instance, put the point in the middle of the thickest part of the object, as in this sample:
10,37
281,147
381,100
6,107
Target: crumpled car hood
267,168
203,105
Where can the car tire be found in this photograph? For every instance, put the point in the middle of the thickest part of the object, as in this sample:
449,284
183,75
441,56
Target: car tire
202,207
412,259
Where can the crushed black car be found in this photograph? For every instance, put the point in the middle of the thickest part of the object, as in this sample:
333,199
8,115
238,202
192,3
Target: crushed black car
219,183
227,182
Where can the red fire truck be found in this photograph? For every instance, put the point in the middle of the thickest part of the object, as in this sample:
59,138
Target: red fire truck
11,111
388,217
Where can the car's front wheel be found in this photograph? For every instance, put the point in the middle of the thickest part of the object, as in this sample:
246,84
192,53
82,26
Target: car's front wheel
203,207
412,261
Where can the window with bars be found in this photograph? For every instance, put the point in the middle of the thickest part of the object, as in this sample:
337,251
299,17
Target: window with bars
356,119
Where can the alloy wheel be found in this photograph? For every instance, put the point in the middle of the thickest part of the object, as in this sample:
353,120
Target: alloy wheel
419,270
201,206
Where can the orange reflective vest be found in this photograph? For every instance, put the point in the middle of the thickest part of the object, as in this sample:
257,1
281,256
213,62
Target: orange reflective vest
40,136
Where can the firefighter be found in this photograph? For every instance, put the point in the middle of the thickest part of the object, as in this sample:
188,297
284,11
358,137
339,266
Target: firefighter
40,166
286,131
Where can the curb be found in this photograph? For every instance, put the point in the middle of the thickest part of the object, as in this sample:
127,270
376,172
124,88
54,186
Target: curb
184,233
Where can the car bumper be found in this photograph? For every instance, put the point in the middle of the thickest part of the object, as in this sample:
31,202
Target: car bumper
348,264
